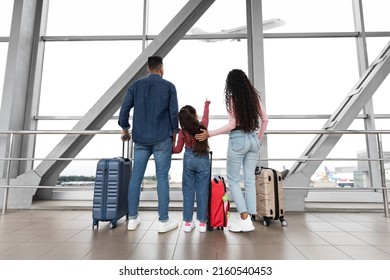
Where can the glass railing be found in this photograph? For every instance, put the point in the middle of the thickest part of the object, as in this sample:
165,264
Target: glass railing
149,183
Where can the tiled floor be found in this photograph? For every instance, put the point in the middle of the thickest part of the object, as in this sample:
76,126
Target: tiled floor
68,235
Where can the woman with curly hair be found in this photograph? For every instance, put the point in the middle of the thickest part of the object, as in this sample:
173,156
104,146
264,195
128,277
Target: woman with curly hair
196,166
246,126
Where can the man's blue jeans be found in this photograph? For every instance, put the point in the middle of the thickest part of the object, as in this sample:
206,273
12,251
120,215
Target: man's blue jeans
196,181
162,153
243,150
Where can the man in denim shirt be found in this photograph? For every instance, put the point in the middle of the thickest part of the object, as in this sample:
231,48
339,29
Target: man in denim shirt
155,125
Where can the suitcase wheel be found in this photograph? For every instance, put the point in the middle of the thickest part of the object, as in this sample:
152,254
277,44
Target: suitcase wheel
283,221
95,223
266,223
112,225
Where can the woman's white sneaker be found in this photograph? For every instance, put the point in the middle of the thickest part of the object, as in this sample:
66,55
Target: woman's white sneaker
247,224
234,226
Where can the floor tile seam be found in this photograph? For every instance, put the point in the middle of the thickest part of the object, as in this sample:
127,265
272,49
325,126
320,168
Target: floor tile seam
283,234
10,249
258,249
360,224
345,253
66,240
218,249
145,231
177,240
320,215
127,257
380,247
305,244
330,245
322,238
43,253
24,241
368,243
81,258
367,246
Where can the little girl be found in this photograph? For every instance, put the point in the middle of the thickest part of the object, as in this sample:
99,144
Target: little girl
196,166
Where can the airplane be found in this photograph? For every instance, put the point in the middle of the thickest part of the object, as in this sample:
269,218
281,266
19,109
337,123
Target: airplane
267,24
341,182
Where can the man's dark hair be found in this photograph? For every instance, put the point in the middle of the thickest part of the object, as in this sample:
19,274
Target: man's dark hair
155,62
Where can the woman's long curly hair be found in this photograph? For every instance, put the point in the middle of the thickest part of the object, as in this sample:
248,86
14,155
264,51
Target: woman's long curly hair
245,100
190,125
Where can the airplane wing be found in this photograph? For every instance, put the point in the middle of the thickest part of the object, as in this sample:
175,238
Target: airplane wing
267,24
273,23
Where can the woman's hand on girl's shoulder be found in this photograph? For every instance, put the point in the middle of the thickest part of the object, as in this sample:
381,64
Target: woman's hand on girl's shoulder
202,136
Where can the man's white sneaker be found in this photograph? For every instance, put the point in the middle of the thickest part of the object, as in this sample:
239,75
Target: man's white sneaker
132,224
247,225
167,226
189,226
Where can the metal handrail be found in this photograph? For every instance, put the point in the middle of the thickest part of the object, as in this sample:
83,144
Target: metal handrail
378,133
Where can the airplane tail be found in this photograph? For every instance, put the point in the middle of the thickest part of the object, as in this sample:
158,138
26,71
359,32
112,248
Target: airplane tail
284,172
327,171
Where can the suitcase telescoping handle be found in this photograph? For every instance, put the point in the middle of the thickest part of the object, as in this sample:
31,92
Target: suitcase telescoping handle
258,165
129,148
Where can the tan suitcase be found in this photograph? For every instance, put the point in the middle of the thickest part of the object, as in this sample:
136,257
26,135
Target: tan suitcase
270,196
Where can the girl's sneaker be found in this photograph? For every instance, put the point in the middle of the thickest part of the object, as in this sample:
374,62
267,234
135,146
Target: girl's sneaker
189,226
202,227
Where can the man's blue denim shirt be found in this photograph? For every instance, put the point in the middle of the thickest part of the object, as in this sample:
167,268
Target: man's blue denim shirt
155,114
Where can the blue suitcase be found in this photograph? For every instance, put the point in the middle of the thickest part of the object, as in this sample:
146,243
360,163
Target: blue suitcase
111,189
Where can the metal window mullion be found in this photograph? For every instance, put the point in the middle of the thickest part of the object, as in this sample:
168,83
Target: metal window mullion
145,24
369,122
255,43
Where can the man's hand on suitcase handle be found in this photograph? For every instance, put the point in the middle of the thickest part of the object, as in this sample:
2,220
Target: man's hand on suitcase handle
125,135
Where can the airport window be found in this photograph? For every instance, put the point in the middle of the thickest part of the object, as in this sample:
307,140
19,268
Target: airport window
318,71
5,17
207,64
3,59
160,13
5,27
376,15
310,16
94,17
222,15
308,76
380,98
310,67
77,74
